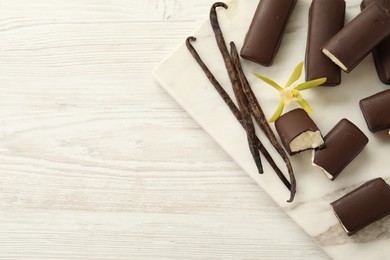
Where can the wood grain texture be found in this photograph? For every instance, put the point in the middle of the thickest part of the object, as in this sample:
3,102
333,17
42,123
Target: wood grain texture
98,162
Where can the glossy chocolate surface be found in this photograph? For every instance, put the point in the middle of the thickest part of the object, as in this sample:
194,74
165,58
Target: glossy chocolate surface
342,144
326,18
363,206
292,124
359,37
382,52
265,33
376,111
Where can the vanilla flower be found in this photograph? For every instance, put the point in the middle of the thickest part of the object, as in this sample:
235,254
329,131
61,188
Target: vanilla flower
291,92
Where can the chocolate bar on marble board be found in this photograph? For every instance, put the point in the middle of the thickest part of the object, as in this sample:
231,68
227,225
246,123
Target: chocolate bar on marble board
326,18
376,111
382,52
359,37
265,33
342,144
298,132
363,206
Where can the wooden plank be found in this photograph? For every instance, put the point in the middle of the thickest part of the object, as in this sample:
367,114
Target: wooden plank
98,162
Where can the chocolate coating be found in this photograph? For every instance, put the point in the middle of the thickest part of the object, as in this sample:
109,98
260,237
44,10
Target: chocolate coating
384,3
342,144
376,111
265,33
292,124
363,206
326,18
382,52
359,37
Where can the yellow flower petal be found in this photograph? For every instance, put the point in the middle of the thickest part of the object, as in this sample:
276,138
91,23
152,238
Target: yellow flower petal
310,84
269,81
295,75
305,106
278,112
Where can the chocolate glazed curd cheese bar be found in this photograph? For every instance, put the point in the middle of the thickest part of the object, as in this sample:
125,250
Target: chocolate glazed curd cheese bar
326,18
298,132
363,206
342,144
265,33
382,52
359,37
376,111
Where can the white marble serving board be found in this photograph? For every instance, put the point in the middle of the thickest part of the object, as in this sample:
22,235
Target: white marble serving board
182,78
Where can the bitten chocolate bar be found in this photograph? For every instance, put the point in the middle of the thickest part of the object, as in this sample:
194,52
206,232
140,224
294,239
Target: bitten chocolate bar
326,18
298,132
359,37
363,206
376,111
265,33
342,144
382,52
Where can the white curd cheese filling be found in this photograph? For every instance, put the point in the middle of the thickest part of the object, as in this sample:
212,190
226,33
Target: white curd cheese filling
306,140
334,59
330,176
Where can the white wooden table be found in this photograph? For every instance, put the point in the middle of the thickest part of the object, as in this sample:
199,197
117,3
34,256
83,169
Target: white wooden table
98,162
